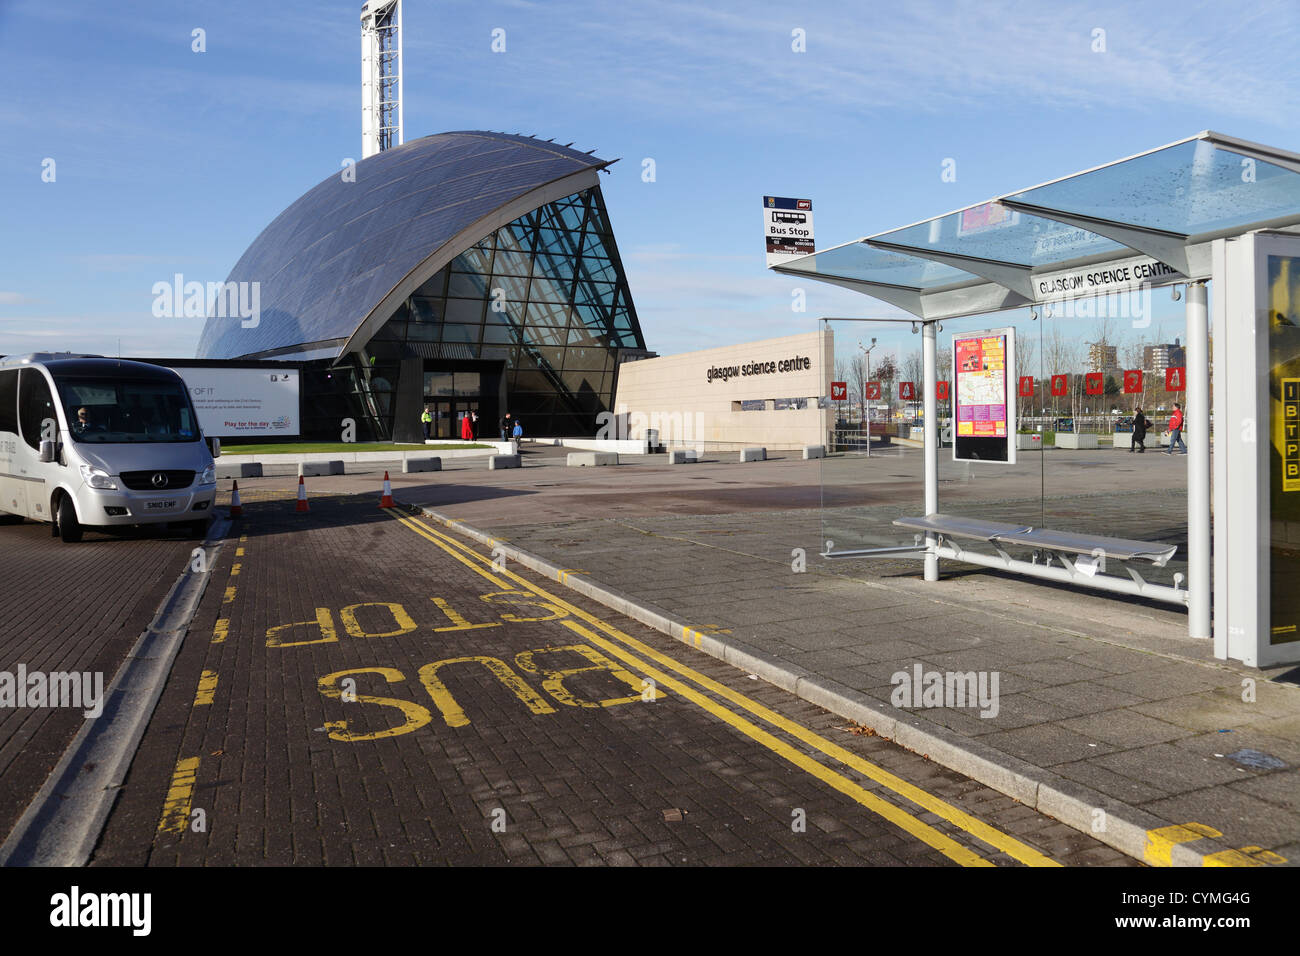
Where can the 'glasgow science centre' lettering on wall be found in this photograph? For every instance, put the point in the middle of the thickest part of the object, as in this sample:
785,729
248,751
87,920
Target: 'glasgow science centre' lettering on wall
800,363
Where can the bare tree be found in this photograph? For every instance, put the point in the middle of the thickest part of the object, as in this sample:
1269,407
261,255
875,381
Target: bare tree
914,372
1061,357
1026,346
886,372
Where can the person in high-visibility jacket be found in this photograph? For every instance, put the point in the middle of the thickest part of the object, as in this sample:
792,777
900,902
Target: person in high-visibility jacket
427,420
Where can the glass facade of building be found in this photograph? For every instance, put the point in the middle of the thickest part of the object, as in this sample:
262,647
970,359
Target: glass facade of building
529,320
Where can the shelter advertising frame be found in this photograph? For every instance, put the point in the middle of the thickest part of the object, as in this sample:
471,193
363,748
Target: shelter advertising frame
984,406
1257,509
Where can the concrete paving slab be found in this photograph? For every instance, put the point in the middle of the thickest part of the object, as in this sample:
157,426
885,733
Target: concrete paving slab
1046,745
1170,767
1126,727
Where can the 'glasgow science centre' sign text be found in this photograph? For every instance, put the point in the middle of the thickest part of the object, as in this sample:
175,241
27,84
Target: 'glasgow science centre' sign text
799,363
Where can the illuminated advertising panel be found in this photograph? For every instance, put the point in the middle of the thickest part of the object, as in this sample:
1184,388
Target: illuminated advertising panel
984,411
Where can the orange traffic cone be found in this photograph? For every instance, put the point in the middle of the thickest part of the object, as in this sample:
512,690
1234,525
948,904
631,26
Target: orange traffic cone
387,500
302,497
236,509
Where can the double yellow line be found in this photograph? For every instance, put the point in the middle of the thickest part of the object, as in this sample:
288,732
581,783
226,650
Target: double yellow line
620,645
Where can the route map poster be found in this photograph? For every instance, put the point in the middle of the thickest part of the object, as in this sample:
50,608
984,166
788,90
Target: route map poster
984,413
1284,447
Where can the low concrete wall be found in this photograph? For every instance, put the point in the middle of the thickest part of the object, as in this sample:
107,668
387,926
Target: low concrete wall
410,465
504,461
358,457
1075,440
1029,441
753,454
683,456
1125,439
319,469
578,459
634,446
814,451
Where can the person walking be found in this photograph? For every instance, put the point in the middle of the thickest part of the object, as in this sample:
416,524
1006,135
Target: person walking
466,429
507,423
427,421
1176,430
473,416
1140,426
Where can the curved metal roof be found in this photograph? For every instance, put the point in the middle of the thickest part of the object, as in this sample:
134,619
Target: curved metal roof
329,260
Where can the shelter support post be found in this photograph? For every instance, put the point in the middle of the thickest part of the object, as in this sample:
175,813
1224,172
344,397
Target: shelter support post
931,432
1197,411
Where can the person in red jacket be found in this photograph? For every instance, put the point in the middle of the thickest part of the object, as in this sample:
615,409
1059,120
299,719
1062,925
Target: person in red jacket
1176,430
466,429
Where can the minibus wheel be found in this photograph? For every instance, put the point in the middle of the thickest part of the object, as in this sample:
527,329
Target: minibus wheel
69,527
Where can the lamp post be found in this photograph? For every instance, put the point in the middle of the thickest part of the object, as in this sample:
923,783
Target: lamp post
866,408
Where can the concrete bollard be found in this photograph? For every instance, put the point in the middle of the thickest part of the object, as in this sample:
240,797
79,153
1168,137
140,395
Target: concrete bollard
577,459
317,469
683,456
503,461
753,454
813,451
247,469
410,465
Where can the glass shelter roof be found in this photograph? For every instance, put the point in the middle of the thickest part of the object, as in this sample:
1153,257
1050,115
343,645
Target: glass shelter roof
1156,213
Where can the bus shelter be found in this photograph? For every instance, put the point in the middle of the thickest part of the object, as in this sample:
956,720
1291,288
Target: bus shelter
1208,207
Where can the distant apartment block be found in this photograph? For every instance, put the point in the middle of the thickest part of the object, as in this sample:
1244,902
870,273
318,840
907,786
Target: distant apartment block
1102,357
1157,358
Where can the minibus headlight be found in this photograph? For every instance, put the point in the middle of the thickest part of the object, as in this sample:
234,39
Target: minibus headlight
209,476
98,478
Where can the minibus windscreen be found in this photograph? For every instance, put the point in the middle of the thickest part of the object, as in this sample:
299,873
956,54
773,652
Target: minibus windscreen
118,411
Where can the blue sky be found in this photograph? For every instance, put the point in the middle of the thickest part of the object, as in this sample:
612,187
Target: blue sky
168,160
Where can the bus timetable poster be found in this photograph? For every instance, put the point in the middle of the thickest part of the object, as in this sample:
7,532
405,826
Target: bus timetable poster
983,364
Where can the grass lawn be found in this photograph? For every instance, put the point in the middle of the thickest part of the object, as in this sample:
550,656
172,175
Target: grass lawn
312,448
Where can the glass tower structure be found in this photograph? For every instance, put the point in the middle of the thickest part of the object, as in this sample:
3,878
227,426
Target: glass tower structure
531,319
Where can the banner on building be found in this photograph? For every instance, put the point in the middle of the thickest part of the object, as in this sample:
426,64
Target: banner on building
244,401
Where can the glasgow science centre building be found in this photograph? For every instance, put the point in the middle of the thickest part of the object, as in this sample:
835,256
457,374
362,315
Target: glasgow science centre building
467,271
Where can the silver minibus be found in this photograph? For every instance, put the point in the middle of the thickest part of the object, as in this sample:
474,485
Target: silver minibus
89,442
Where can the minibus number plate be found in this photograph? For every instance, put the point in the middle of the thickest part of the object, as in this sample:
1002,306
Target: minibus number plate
160,505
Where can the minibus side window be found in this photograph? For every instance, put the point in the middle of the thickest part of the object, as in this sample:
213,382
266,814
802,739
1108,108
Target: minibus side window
35,407
9,400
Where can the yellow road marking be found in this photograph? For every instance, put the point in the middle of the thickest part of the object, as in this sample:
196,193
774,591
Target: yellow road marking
420,529
235,569
176,808
239,552
207,688
1161,841
230,596
983,831
221,630
458,623
895,815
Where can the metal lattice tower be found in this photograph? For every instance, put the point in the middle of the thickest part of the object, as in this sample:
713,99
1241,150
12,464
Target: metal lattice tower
381,76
